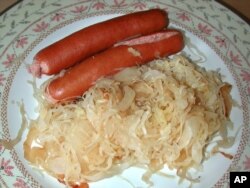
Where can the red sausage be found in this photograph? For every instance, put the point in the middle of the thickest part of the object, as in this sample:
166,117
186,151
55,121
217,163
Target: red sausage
82,76
90,40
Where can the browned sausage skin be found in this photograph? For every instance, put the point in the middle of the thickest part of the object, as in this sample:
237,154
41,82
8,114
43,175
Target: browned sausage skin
78,79
95,38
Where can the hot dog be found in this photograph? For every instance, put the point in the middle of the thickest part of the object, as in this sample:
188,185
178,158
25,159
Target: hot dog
90,40
79,78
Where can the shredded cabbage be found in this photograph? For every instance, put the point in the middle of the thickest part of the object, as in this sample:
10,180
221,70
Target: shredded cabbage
162,113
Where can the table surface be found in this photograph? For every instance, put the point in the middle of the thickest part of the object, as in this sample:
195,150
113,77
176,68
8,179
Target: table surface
239,6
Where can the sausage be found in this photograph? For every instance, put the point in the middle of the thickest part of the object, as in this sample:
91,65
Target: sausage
95,38
82,76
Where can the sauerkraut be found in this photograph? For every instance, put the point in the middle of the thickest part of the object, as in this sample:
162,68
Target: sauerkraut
162,113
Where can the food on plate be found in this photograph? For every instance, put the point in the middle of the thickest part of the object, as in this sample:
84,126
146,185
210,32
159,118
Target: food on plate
163,113
76,80
95,38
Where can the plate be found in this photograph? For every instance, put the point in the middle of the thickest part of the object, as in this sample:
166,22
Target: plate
215,37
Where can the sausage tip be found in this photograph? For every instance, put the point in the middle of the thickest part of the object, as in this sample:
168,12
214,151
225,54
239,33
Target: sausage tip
35,69
48,96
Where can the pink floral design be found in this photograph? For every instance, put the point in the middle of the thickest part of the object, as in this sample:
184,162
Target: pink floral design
99,5
140,5
204,29
6,167
21,42
248,90
79,9
41,27
20,183
183,16
247,163
57,17
158,6
245,75
10,58
120,3
1,79
220,41
235,58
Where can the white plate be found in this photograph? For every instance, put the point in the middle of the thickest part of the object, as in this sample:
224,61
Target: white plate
59,18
